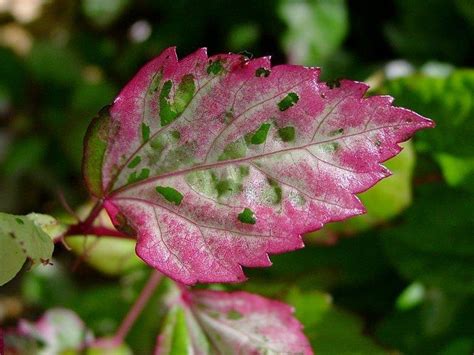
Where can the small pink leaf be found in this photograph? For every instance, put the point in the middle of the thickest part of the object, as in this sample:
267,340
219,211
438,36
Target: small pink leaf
203,322
216,162
57,330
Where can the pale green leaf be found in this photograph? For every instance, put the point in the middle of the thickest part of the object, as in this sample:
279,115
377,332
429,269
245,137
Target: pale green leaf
315,30
457,171
48,224
331,331
21,239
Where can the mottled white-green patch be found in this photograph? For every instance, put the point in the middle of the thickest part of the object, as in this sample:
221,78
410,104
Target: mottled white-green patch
155,82
290,100
202,181
168,156
213,314
234,315
180,155
234,150
184,94
275,192
227,187
296,198
331,147
160,143
336,132
218,184
170,109
287,134
167,114
244,170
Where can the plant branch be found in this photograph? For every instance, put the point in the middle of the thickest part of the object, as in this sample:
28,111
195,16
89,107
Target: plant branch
65,204
137,307
83,226
93,213
99,231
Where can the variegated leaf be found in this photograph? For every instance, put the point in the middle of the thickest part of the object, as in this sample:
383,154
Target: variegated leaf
214,163
214,322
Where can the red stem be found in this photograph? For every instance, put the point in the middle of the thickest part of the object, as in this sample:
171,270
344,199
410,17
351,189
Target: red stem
93,214
137,307
87,227
97,231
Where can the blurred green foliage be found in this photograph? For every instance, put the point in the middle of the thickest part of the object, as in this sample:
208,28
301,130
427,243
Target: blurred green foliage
404,279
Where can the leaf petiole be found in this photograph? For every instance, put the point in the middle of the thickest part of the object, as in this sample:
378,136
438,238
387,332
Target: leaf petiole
87,226
137,307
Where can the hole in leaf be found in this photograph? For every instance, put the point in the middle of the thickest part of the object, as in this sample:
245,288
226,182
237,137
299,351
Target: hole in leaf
262,72
234,315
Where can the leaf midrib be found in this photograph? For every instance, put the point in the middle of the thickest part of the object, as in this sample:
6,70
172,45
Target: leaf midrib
113,180
243,159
